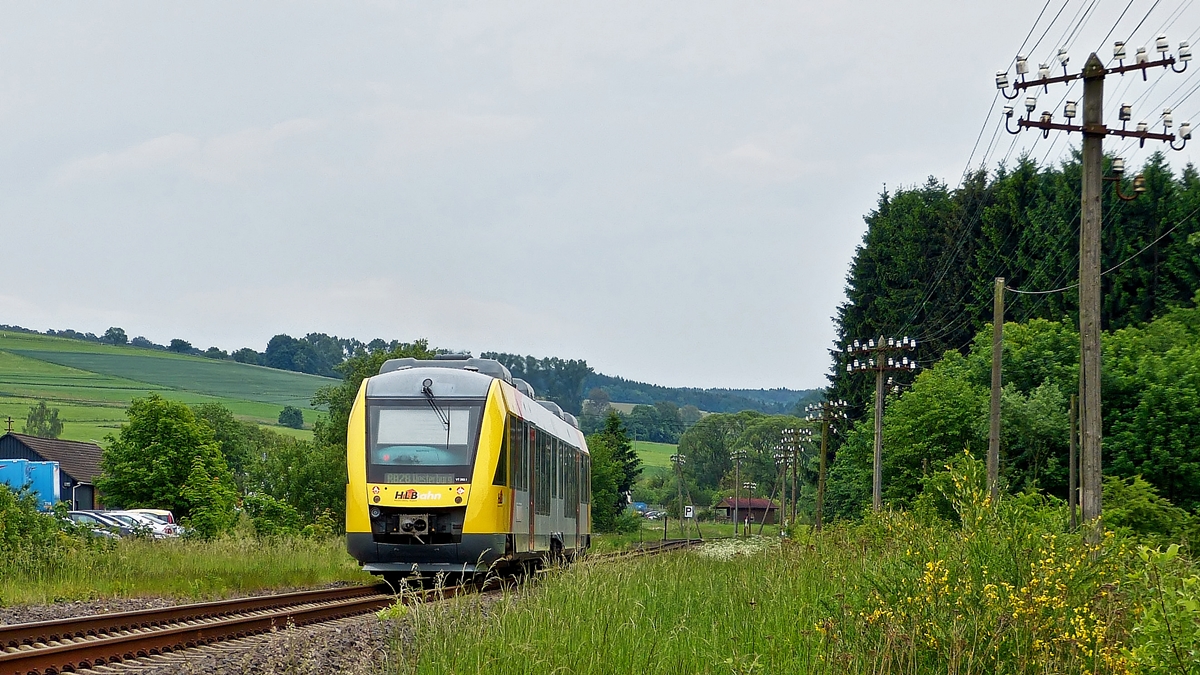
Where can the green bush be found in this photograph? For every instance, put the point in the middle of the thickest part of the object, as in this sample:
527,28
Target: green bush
1168,634
1134,507
24,529
271,516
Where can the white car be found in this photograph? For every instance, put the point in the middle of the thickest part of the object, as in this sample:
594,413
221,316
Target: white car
139,521
161,517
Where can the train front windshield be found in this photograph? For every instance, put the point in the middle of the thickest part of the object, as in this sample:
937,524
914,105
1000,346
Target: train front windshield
413,443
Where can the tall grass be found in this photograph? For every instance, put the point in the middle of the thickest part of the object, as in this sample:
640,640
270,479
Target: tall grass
998,588
178,568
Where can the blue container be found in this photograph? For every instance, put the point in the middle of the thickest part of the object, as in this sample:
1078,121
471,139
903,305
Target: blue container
13,472
44,481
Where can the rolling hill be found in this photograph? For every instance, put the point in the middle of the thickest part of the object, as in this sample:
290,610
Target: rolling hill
91,384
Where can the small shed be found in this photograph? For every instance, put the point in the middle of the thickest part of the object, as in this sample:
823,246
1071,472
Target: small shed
757,510
78,462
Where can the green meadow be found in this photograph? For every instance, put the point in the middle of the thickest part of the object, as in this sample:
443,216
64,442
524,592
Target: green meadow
655,454
92,384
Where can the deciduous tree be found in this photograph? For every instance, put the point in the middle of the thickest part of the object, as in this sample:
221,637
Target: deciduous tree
291,416
160,450
43,421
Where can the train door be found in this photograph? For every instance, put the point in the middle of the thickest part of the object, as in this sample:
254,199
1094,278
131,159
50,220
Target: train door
531,453
575,488
521,511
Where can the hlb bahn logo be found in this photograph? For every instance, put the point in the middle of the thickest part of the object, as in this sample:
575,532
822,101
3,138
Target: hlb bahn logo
413,494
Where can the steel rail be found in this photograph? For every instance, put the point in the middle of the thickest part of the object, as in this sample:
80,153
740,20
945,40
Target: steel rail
111,648
15,635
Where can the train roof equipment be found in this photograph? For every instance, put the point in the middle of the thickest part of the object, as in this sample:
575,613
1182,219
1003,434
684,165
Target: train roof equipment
462,379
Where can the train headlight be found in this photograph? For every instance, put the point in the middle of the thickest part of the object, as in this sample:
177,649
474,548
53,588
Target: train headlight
375,512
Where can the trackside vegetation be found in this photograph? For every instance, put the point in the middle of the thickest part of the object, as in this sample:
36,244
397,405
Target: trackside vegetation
986,588
44,558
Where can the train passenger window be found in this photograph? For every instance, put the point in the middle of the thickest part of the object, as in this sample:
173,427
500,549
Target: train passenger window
571,465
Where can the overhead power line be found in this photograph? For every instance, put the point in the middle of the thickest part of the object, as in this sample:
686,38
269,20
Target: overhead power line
1145,248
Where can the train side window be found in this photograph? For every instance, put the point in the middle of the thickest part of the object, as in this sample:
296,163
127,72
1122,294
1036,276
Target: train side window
542,473
516,453
572,468
556,462
562,470
587,480
501,477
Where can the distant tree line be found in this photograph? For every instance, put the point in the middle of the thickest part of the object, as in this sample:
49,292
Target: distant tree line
769,401
662,422
563,381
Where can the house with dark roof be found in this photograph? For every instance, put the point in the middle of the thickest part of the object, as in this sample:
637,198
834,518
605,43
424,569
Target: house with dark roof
78,464
756,510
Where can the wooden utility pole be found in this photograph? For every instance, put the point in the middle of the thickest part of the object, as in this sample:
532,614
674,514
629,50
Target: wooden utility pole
821,471
677,459
877,463
993,456
736,456
828,412
879,362
1089,289
1094,131
795,462
1073,464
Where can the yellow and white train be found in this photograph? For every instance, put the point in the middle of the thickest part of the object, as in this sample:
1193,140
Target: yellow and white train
455,467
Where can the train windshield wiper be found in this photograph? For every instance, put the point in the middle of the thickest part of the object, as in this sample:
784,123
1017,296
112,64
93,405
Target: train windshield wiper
427,389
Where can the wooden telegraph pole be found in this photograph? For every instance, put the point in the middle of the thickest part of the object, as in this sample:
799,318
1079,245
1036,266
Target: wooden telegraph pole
1094,132
876,359
826,412
993,456
1089,287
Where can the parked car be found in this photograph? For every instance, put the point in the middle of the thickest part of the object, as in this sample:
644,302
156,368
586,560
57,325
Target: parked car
92,529
161,514
156,522
100,522
141,524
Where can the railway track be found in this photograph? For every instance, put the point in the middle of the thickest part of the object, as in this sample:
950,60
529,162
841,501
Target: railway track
67,645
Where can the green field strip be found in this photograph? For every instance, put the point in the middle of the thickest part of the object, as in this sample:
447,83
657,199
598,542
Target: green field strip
211,377
27,341
655,454
92,384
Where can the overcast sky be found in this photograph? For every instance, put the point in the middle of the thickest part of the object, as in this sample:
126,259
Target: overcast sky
672,191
